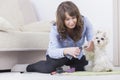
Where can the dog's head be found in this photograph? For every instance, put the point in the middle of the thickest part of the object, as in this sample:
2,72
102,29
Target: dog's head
100,39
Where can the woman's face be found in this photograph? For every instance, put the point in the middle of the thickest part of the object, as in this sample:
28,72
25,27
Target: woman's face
70,21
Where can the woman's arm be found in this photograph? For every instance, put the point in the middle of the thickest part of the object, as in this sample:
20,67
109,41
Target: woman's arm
72,51
89,35
55,50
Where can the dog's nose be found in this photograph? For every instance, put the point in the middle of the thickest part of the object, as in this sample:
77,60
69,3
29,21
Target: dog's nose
98,41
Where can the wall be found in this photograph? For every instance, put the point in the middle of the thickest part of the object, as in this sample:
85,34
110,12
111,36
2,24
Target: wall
116,33
99,12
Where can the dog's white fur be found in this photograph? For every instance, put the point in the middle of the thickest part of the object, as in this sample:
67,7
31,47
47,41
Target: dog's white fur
98,60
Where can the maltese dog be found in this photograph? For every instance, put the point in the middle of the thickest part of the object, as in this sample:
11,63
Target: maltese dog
98,60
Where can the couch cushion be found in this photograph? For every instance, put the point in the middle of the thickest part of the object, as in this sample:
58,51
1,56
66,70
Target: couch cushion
17,12
6,26
16,41
40,26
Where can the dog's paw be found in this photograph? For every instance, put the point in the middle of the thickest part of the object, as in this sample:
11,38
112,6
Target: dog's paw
109,69
98,69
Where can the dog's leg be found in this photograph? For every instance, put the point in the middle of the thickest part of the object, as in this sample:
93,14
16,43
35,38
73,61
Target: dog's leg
109,67
89,66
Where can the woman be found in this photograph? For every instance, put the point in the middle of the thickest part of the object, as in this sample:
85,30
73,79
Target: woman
66,40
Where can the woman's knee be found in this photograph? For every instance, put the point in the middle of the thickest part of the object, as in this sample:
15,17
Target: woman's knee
29,68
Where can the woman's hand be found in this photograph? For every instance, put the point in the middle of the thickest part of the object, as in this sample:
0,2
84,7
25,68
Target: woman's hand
90,46
73,51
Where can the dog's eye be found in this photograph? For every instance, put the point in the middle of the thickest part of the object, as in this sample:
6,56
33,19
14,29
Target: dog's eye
102,38
96,37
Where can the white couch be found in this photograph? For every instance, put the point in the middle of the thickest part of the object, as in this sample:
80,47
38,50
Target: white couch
34,36
24,31
21,35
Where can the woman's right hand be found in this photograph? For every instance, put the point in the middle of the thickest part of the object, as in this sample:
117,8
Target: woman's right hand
73,51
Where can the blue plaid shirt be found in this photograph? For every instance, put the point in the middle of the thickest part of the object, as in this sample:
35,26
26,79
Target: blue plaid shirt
56,45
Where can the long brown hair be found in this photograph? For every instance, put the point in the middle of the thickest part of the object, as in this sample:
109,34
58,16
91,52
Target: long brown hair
72,10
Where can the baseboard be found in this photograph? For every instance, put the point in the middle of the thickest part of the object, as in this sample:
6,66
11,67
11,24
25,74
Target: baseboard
5,70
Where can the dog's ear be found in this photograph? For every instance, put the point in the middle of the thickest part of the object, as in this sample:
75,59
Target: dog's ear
98,31
104,34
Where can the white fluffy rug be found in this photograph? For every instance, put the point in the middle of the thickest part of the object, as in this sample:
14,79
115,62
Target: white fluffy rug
16,75
39,76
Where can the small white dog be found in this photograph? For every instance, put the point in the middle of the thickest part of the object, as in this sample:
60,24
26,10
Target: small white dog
98,60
